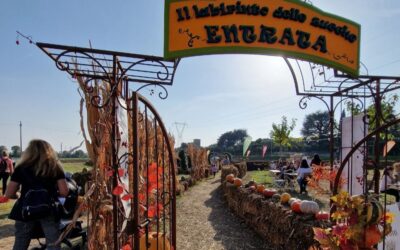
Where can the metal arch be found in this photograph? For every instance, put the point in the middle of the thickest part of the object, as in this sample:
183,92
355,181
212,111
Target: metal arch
303,102
116,70
167,196
355,147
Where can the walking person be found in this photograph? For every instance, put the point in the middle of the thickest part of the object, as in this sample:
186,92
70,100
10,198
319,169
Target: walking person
388,179
316,160
6,169
302,174
38,167
214,168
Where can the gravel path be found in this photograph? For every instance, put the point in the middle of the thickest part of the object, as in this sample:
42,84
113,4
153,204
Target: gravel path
204,221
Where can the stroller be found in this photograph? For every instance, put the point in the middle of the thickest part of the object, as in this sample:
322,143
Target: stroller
66,212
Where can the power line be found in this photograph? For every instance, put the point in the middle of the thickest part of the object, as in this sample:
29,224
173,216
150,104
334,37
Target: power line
180,127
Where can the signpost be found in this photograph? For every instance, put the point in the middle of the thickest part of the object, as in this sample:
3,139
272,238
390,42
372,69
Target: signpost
288,28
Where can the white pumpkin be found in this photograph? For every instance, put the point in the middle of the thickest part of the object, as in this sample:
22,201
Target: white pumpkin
309,207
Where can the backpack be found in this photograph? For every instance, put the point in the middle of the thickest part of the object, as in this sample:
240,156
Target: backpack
37,203
3,165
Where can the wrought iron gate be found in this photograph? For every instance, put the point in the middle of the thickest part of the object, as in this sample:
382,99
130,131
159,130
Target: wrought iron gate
135,173
154,211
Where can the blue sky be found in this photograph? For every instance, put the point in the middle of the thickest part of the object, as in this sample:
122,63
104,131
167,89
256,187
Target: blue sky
212,94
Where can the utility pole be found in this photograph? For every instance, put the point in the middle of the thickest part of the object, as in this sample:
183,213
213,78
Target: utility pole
180,127
20,136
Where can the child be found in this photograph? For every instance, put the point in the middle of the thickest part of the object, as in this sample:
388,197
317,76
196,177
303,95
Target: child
214,169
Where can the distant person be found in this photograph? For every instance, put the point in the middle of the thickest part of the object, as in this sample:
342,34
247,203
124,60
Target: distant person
225,161
214,169
388,179
38,167
316,160
302,173
6,169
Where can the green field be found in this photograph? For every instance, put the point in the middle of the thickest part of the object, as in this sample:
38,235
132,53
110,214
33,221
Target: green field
74,167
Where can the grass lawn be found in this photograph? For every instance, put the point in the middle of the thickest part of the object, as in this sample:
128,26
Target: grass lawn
73,167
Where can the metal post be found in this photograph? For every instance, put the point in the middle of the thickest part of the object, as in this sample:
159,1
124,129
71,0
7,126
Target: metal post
114,160
378,113
20,136
135,171
332,142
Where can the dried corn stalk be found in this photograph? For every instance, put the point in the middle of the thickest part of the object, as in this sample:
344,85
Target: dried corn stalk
199,160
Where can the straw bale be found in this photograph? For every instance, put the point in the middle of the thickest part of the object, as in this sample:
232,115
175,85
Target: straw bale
229,169
274,222
242,168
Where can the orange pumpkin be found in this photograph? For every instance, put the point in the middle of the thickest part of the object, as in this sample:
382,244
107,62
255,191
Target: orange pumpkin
296,206
260,188
269,192
152,242
237,182
372,237
230,178
285,198
322,216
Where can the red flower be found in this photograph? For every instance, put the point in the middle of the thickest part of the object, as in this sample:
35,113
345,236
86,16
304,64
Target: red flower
121,171
126,247
118,190
127,197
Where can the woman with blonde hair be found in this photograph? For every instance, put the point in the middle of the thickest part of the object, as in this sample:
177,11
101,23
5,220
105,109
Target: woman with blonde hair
39,166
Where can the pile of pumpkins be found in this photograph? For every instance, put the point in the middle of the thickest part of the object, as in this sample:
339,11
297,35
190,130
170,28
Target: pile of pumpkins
296,205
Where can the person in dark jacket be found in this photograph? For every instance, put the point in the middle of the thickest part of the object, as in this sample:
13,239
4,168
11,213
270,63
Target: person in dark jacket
39,165
316,160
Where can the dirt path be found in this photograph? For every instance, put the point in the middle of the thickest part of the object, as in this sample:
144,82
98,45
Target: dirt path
204,221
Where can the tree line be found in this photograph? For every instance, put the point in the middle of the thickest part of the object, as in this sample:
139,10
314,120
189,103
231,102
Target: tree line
315,134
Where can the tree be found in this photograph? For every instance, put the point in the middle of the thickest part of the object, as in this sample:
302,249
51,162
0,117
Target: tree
316,131
280,133
232,141
16,151
183,161
387,110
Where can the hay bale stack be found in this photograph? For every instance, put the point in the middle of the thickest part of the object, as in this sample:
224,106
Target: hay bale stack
242,168
229,169
274,222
